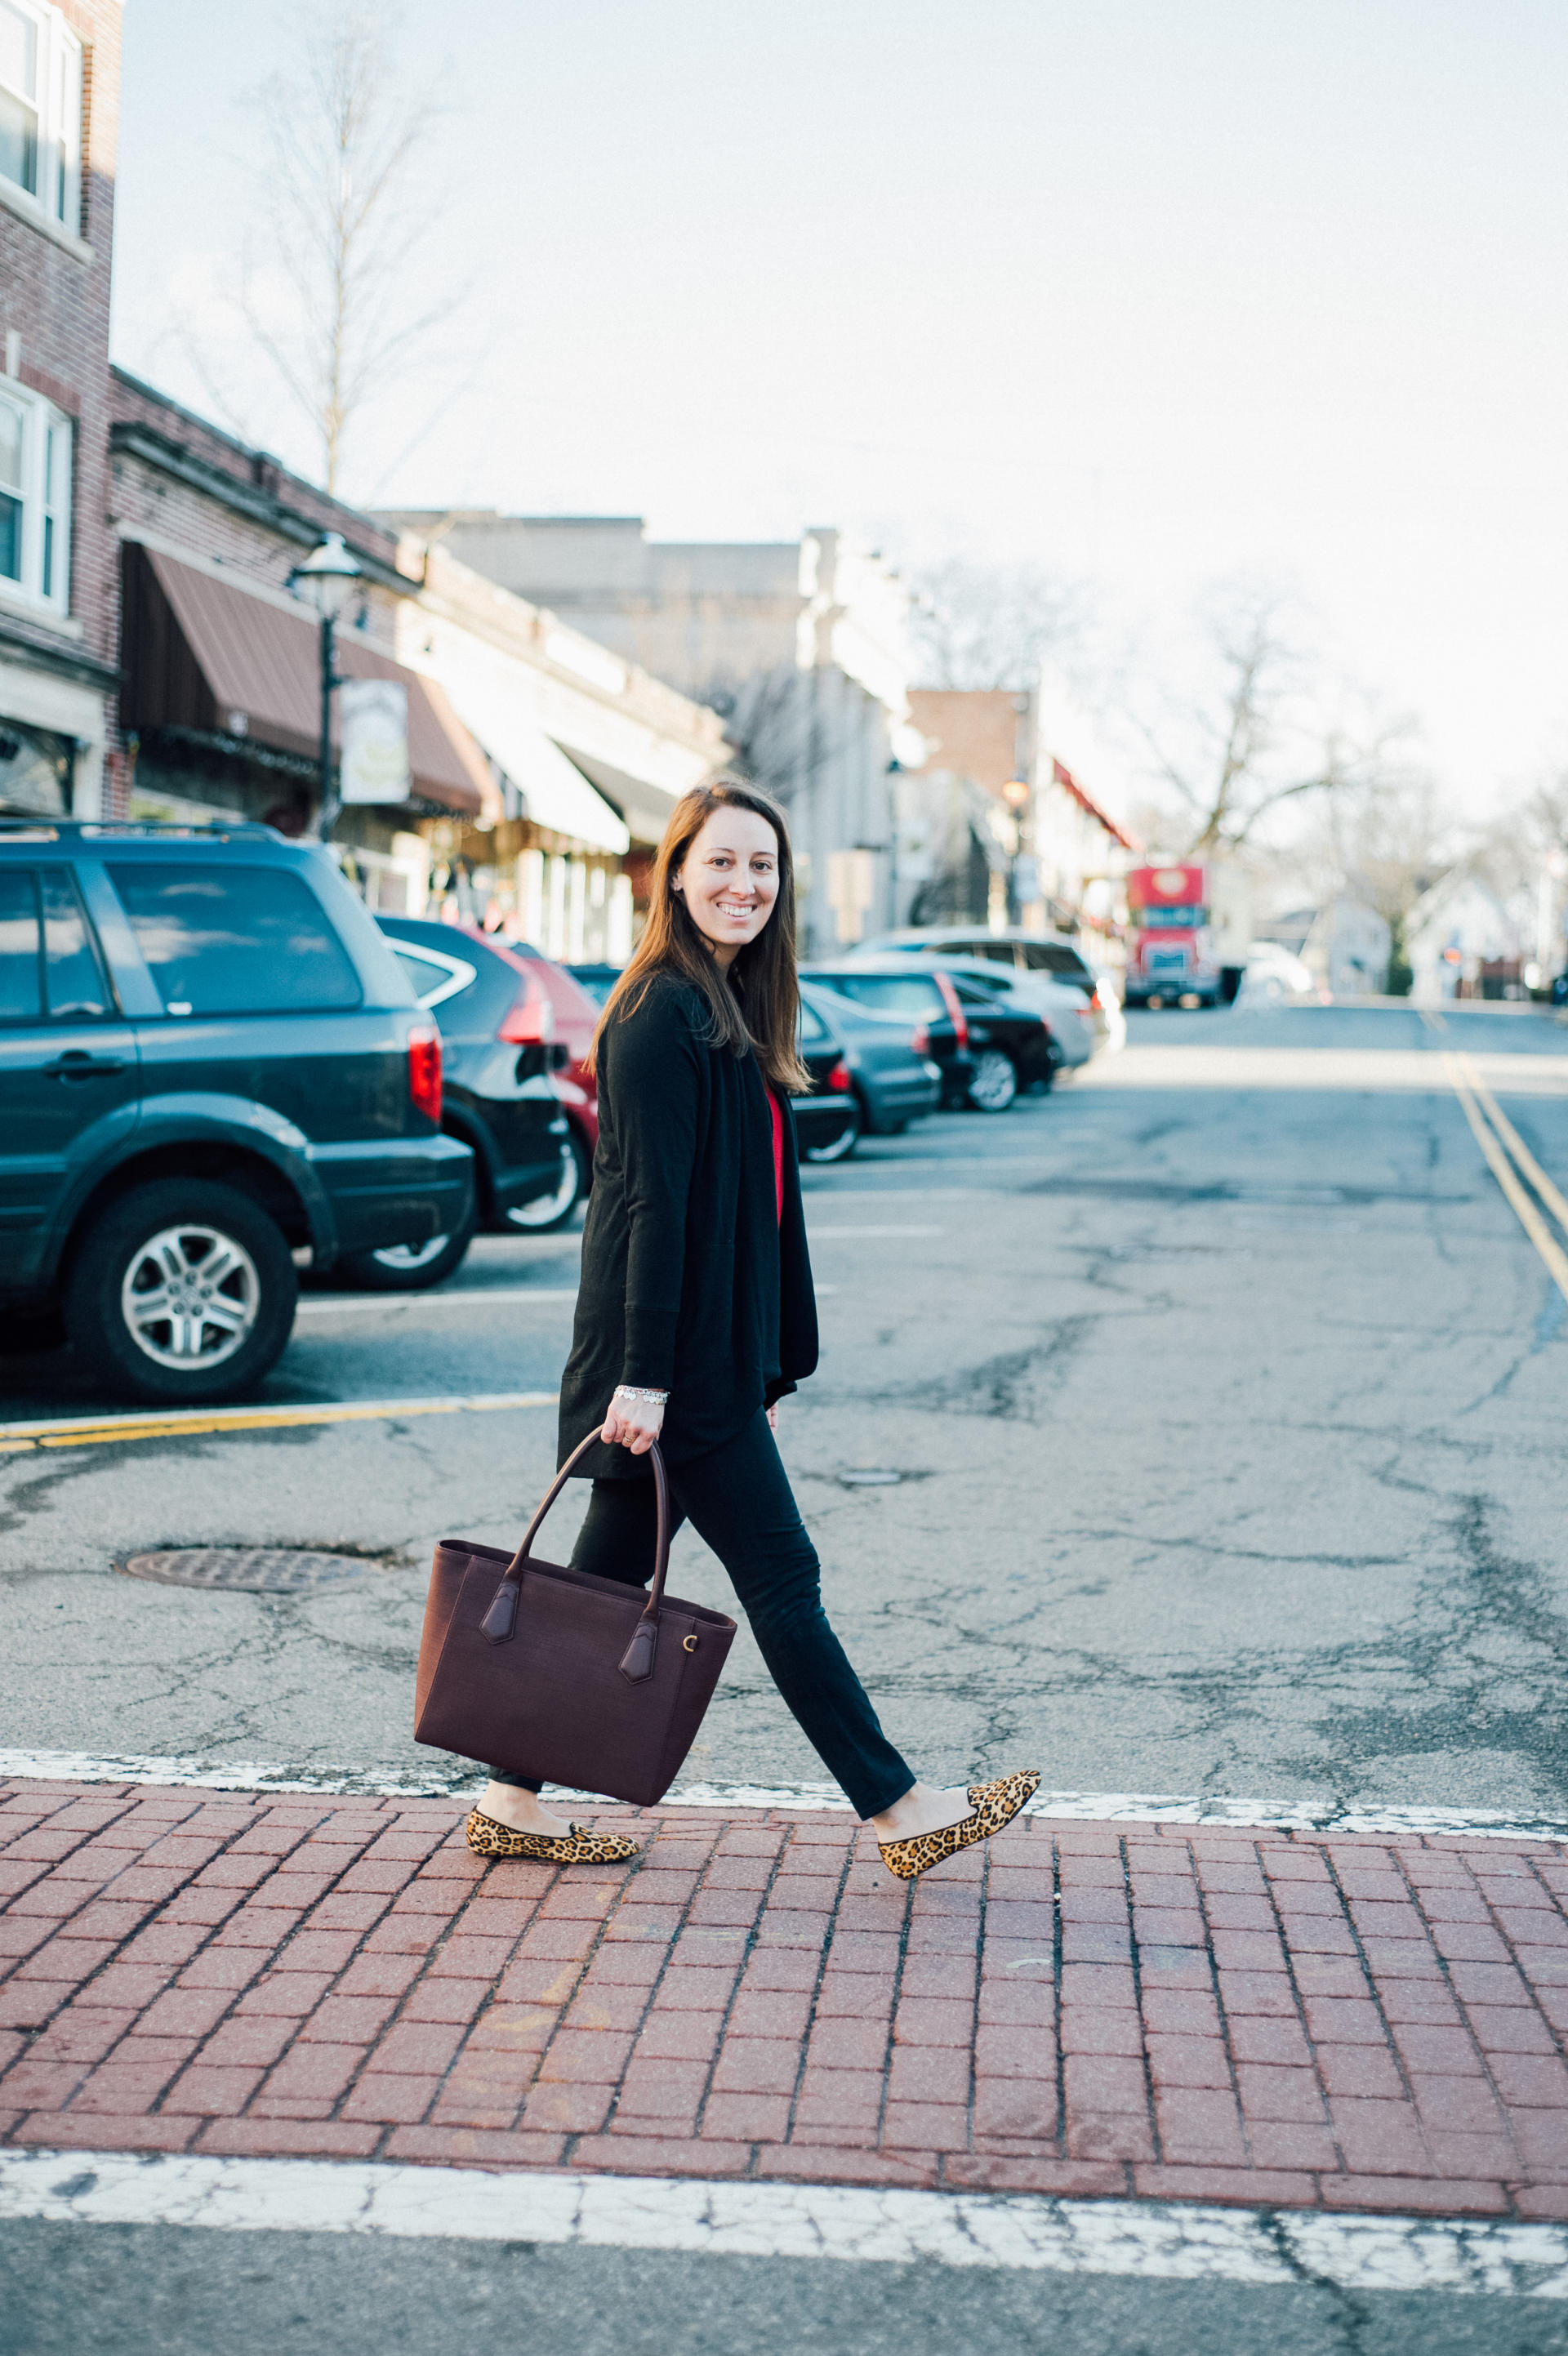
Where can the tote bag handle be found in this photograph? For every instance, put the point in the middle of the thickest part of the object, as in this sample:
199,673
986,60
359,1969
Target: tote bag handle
500,1622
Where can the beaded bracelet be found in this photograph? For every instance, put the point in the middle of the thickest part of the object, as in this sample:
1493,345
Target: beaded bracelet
630,1391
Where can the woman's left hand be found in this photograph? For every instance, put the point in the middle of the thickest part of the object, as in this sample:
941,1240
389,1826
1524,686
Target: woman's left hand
773,1417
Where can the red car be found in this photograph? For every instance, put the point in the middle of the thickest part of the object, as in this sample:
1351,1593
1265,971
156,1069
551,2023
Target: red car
577,1016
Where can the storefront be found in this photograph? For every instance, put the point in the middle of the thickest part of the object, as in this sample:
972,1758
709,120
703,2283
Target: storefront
51,735
220,709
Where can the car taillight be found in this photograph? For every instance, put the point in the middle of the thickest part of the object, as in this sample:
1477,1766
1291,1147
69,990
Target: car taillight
838,1078
424,1070
921,1042
530,1022
1095,998
951,998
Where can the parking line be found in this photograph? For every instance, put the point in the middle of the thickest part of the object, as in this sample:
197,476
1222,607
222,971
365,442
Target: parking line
1495,1148
1025,2232
351,1303
858,1234
176,1424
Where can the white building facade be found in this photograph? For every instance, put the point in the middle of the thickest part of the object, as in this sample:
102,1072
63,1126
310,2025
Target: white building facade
798,646
587,757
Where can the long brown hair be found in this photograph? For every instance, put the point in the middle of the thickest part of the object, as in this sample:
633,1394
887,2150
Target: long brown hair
757,1004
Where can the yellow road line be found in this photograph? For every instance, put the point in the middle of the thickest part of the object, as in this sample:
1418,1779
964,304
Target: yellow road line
1503,1170
1524,1159
175,1423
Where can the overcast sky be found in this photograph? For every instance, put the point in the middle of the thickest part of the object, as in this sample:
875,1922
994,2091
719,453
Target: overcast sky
1154,291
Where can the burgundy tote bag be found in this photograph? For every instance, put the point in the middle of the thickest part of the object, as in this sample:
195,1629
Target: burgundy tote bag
559,1675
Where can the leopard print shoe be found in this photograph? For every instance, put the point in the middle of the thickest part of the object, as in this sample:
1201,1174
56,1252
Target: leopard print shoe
580,1846
994,1804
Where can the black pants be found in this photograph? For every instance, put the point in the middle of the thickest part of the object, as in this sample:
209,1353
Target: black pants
739,1501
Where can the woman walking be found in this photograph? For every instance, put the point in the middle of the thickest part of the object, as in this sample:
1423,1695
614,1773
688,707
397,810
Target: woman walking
696,1315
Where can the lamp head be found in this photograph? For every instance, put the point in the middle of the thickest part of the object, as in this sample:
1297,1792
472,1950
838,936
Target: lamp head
1016,793
327,579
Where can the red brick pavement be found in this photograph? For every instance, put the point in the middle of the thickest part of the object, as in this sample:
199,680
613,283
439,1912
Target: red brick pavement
1233,2015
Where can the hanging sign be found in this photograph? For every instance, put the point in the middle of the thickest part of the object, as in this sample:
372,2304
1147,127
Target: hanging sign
373,719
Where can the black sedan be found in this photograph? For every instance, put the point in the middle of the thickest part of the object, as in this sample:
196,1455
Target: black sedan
1012,1045
987,1049
890,1082
827,1122
497,1029
924,1003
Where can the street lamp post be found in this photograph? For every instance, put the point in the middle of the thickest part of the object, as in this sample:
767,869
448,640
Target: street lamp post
1016,794
325,581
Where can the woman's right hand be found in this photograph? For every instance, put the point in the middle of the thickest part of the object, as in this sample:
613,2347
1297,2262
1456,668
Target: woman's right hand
635,1423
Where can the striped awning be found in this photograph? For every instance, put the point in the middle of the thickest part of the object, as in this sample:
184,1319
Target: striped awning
217,657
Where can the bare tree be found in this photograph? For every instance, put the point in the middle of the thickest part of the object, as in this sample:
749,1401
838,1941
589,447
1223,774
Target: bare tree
978,625
346,203
1268,731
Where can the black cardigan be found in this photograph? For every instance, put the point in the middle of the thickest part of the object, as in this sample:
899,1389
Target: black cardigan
692,1282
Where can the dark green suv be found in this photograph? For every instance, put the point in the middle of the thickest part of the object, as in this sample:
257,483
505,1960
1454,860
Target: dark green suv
211,1069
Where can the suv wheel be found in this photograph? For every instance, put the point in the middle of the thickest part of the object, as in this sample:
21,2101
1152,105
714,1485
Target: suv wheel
553,1209
407,1268
995,1083
185,1289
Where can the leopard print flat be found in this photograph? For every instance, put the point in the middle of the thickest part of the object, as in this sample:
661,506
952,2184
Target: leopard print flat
994,1804
487,1837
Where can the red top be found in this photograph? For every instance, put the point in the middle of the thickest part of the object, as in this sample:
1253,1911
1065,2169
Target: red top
775,1108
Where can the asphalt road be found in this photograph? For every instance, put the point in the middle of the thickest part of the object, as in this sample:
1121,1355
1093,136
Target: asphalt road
1224,1388
1223,1385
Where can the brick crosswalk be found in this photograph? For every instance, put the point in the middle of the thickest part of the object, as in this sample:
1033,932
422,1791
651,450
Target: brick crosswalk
1300,2020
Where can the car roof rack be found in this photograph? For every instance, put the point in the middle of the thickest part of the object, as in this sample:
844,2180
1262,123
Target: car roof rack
40,824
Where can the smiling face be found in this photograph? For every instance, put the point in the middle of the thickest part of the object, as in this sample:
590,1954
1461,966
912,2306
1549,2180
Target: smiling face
729,879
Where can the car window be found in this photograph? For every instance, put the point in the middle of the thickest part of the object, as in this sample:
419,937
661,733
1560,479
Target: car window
995,952
813,1030
892,993
436,976
21,962
1049,956
235,940
73,978
974,992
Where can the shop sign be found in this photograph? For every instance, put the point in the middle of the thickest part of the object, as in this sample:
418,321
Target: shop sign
373,714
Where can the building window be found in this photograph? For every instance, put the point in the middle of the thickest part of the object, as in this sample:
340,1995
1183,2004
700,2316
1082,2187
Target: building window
40,108
35,496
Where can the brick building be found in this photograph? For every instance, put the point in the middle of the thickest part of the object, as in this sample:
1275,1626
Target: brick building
220,699
60,80
995,827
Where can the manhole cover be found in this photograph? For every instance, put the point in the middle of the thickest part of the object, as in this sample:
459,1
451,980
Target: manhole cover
268,1571
870,1480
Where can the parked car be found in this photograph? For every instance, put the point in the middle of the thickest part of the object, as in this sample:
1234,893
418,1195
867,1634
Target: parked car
1071,1020
210,1061
1050,953
1046,957
827,1120
498,1022
578,1015
598,980
893,1081
925,1003
1107,1000
1274,976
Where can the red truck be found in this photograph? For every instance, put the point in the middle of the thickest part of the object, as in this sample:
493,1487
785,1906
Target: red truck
1189,922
